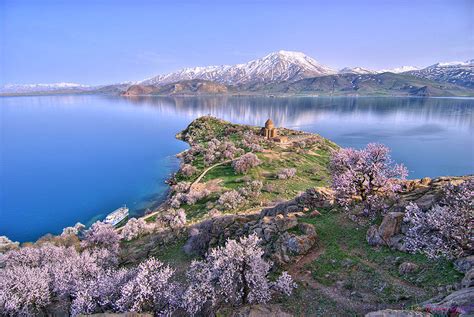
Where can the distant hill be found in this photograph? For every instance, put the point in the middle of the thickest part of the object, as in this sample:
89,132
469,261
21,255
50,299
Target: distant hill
459,73
369,84
185,87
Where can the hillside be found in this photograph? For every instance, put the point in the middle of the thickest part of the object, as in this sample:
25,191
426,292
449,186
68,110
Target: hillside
187,87
234,183
387,84
347,84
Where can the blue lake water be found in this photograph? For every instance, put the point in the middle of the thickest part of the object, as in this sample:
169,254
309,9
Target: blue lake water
65,159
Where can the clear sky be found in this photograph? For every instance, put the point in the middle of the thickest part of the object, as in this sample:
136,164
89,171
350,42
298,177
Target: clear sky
97,42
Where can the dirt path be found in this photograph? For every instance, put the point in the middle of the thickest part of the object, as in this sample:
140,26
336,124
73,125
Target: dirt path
303,276
205,172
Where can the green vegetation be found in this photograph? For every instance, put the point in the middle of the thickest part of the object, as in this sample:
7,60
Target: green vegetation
310,160
347,254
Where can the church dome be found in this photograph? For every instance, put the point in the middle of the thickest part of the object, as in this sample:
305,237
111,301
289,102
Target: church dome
269,124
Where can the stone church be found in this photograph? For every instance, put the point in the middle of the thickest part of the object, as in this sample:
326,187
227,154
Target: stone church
271,133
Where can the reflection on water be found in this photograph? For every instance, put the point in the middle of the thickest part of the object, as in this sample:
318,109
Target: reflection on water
301,111
432,136
75,158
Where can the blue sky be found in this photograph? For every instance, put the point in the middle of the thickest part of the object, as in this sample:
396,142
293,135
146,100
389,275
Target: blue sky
97,42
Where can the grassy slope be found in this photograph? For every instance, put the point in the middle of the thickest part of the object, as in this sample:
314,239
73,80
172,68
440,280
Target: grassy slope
343,275
364,275
311,166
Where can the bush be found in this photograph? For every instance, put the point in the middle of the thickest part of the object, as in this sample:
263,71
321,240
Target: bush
230,200
445,230
252,189
243,164
188,170
135,228
102,235
286,173
172,218
150,290
235,274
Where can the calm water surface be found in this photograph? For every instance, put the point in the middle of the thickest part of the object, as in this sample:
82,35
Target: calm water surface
65,159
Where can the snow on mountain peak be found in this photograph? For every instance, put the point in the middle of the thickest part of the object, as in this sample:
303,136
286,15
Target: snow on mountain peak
356,70
274,67
398,70
17,88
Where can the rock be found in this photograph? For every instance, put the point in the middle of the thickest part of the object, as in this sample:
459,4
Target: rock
315,213
397,242
300,245
129,314
425,181
284,223
425,202
260,311
390,227
458,303
7,244
373,237
464,264
397,313
307,229
407,268
468,280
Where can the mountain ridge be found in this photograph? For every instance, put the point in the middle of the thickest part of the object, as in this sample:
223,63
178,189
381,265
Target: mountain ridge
281,69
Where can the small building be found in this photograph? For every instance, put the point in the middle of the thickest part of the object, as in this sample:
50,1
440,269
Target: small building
271,133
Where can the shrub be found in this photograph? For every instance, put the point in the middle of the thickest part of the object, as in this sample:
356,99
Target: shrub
78,227
247,161
188,170
135,228
230,200
150,290
33,277
181,187
171,218
368,173
446,228
102,235
286,173
252,189
235,274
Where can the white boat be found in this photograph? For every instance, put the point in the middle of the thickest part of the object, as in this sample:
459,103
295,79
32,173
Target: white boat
117,216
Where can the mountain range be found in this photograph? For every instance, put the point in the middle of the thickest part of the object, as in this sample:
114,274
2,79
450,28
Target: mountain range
286,72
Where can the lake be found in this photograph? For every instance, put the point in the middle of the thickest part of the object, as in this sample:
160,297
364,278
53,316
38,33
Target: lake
65,159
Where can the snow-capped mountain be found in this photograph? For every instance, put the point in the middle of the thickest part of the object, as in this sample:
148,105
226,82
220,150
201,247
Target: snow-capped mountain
459,73
356,70
275,67
24,88
398,70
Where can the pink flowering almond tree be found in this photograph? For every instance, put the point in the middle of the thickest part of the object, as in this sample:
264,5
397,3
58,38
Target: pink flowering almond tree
150,290
368,173
235,274
244,163
445,230
102,235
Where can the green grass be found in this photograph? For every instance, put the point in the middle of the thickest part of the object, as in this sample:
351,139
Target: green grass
344,241
151,219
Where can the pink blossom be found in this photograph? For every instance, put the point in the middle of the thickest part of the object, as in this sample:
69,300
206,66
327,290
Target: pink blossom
247,161
368,173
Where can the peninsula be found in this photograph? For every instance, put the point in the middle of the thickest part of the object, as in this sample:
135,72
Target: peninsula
284,207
